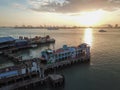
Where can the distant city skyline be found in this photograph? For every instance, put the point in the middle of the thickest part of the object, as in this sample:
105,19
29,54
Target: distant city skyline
59,12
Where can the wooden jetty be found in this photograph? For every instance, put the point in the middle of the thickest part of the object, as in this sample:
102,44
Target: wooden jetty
12,57
53,80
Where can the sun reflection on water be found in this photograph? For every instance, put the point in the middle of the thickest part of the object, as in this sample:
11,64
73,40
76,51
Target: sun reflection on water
88,36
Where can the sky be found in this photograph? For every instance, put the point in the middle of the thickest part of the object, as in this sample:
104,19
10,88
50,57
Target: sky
59,12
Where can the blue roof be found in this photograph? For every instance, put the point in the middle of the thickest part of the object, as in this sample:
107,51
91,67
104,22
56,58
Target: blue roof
6,39
20,41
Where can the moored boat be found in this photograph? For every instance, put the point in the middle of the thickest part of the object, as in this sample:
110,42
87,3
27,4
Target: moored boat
102,30
39,39
52,28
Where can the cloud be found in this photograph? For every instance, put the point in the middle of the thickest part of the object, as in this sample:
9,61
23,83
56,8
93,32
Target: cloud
20,6
72,6
47,5
115,1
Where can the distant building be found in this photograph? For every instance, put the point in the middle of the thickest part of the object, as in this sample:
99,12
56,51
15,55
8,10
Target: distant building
110,26
116,25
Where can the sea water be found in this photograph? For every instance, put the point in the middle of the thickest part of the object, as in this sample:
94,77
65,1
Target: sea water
103,71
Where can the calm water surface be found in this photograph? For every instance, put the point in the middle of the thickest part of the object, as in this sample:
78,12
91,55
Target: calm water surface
103,72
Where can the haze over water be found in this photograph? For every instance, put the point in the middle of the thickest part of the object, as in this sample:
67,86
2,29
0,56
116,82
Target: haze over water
103,72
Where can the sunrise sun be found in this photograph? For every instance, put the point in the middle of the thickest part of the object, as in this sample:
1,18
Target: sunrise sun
90,18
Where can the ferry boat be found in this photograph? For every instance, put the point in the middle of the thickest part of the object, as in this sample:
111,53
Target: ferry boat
65,53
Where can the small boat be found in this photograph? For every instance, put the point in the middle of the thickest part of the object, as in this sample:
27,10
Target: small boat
34,45
1,52
52,28
102,30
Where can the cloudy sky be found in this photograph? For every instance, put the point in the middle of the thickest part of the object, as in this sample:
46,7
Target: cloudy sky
59,12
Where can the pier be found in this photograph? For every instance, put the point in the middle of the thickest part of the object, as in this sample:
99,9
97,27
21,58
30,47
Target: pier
37,70
12,44
82,58
32,79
